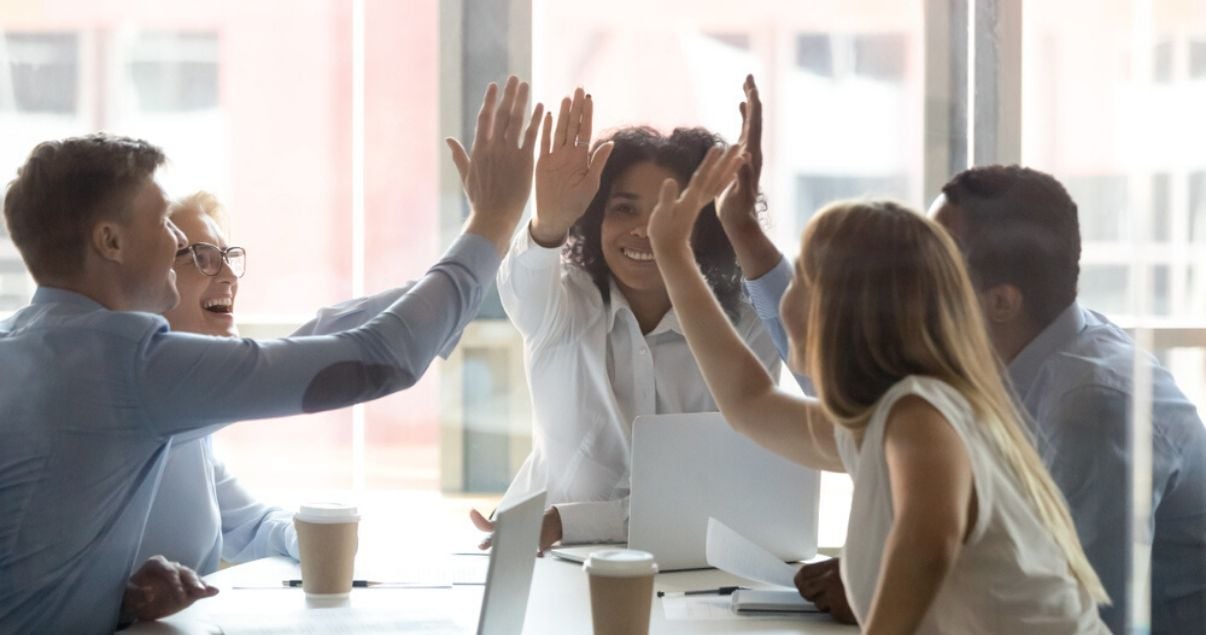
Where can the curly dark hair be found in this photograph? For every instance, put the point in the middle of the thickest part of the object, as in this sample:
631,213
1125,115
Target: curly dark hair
680,153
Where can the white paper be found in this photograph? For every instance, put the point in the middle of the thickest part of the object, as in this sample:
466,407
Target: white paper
333,622
733,553
710,607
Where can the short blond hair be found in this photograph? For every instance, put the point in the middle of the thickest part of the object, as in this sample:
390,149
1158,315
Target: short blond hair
206,203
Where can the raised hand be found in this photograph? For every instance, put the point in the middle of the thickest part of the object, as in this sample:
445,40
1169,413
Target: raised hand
736,207
567,172
160,588
674,216
497,173
737,204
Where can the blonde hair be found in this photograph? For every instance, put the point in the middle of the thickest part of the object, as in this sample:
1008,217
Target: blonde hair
889,297
204,202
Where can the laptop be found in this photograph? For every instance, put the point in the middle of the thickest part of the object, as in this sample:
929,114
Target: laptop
689,467
512,558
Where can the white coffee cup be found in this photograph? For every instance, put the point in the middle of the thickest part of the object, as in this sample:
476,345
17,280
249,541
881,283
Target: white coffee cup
621,590
327,541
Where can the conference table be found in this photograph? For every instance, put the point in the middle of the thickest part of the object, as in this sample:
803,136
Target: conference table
253,600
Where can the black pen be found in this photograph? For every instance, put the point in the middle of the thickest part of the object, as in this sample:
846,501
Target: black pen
360,584
724,590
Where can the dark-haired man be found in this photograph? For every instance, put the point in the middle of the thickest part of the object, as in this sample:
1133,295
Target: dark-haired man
94,387
1071,370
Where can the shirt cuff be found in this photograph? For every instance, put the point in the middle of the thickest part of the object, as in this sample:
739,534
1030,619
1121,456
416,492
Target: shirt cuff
602,521
525,251
767,291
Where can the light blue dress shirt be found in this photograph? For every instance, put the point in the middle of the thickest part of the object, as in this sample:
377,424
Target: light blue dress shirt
1074,381
93,399
201,515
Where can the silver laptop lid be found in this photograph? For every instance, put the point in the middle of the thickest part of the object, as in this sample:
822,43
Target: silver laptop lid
689,467
512,558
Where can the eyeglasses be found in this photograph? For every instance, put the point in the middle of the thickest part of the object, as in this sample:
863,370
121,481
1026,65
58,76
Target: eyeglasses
209,258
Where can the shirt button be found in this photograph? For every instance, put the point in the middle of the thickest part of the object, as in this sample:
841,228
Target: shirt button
644,351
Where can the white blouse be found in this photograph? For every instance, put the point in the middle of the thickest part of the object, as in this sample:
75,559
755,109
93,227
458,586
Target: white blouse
591,372
1009,577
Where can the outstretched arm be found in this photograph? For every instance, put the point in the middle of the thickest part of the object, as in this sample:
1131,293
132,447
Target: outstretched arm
185,383
792,427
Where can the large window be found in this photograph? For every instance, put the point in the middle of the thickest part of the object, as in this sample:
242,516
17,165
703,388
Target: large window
318,123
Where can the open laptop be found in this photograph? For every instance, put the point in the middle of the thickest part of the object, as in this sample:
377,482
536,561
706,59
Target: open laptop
512,557
689,467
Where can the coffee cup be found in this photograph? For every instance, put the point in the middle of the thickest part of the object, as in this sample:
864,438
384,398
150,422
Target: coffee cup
327,541
621,590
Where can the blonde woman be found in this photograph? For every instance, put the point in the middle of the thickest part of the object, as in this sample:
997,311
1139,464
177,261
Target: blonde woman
955,525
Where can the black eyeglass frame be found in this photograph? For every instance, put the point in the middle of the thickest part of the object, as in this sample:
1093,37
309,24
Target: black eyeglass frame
224,256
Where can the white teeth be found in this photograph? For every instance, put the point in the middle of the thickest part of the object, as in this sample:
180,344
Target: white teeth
209,304
642,256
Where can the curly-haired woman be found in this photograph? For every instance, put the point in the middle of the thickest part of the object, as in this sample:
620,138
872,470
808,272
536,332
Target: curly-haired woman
602,342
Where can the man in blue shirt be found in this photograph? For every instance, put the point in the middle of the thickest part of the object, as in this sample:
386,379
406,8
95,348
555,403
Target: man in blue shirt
1071,370
95,388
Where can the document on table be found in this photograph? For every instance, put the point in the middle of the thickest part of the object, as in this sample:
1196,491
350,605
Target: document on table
733,553
709,608
335,621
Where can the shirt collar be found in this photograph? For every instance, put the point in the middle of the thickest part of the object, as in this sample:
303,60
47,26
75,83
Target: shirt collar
1025,367
54,295
617,303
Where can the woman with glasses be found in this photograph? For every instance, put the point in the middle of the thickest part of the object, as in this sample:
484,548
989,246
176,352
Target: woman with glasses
201,515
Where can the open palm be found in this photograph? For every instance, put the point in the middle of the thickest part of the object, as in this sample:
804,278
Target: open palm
674,217
567,172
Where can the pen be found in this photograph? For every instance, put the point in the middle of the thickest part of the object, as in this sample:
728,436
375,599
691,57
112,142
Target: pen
360,584
724,590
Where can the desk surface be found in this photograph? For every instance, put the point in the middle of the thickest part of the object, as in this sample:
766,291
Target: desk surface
559,603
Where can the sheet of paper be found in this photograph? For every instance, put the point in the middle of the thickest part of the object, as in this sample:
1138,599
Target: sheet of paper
707,608
733,553
694,607
334,621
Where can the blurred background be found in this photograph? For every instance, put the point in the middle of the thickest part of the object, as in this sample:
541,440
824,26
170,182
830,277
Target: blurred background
319,124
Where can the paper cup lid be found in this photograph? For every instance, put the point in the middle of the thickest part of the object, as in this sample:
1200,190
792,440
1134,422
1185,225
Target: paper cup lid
327,513
620,563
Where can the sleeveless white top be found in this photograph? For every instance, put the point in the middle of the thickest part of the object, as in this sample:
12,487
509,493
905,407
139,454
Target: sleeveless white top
1009,577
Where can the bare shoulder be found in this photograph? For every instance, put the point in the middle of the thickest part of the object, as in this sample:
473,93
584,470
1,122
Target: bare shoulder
914,422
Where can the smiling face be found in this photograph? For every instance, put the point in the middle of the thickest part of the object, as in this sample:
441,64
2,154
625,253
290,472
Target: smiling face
206,302
148,276
624,234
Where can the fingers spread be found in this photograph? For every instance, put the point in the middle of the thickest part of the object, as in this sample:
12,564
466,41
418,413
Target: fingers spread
516,116
546,141
575,116
588,115
703,173
485,116
598,161
529,137
563,117
502,114
459,158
